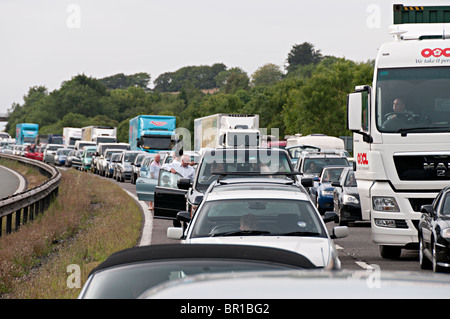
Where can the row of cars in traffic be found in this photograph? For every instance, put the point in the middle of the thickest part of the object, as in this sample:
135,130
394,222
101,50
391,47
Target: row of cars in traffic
261,201
242,208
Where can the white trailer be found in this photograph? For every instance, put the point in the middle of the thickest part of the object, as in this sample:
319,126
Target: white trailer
226,130
403,158
71,135
99,134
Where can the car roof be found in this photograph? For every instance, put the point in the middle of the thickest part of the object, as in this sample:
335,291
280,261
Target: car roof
239,188
202,251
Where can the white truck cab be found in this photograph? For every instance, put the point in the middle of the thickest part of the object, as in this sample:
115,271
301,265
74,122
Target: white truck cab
401,126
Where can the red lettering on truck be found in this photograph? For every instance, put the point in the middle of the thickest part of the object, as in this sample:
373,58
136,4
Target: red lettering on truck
362,159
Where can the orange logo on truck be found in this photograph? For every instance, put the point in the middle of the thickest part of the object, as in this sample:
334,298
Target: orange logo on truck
361,159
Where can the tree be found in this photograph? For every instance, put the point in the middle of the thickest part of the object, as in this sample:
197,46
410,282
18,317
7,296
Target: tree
232,80
302,54
122,81
268,74
319,106
189,78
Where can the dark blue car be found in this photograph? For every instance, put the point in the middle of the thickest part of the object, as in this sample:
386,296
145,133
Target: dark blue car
322,192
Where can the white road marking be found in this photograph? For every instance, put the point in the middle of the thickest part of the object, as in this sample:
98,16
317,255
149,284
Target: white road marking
146,237
363,265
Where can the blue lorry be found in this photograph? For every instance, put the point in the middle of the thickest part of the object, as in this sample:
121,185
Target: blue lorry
152,133
26,133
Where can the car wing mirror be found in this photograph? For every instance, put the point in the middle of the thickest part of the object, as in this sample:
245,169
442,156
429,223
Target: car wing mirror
307,182
427,209
184,183
335,184
339,232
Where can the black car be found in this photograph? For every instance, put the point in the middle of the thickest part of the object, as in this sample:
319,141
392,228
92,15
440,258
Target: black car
235,162
346,201
128,273
434,233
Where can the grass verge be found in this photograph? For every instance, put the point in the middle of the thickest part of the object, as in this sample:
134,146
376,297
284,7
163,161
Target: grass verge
89,220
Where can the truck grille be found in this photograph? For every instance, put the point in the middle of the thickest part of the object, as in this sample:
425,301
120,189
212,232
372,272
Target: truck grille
423,167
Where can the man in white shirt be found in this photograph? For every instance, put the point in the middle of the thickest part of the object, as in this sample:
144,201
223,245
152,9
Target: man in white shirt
155,166
184,169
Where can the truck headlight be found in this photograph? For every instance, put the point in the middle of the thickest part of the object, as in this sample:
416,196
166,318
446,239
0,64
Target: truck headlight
385,204
349,199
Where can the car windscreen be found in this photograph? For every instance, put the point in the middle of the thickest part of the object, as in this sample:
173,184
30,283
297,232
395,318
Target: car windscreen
266,217
315,165
245,161
130,281
331,174
130,157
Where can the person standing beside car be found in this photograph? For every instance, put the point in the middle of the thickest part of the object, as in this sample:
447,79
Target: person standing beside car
155,166
184,169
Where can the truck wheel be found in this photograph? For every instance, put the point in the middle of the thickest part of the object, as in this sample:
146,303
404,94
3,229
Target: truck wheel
390,252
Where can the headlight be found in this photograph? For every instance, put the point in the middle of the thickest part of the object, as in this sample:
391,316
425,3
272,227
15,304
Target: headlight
385,204
445,233
349,199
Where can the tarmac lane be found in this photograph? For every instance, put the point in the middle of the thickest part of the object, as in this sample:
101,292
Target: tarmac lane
11,182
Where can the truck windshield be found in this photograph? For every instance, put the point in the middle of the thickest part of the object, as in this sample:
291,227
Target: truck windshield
106,140
413,100
157,142
28,139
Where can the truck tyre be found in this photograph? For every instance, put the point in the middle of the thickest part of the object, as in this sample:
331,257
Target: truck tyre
390,252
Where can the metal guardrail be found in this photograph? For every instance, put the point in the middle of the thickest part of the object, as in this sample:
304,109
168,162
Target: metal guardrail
25,206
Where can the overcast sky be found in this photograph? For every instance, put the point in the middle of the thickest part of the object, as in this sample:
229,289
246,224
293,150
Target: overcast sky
48,42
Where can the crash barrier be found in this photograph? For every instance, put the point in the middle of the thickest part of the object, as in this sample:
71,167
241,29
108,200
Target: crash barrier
25,206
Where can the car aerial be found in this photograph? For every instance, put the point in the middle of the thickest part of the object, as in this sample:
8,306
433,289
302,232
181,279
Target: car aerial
61,156
262,211
50,152
128,273
434,233
86,157
322,192
346,198
111,164
103,160
136,166
235,162
123,165
311,164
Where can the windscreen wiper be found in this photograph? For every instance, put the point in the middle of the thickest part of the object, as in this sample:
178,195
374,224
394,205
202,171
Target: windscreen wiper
242,233
299,233
404,131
